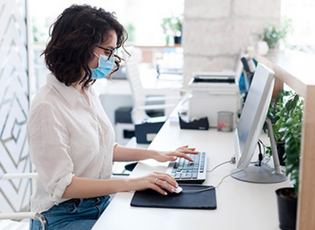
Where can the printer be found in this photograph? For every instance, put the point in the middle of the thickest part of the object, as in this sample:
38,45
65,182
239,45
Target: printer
213,92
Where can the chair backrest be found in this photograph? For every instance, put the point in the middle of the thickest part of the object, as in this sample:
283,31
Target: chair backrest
16,193
138,95
6,219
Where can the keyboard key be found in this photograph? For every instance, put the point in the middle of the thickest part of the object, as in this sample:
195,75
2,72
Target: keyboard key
176,176
185,176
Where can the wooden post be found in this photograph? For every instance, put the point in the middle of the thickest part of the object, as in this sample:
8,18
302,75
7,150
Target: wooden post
306,199
277,87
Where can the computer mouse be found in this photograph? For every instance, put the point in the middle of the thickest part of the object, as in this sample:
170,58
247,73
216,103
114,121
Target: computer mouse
176,190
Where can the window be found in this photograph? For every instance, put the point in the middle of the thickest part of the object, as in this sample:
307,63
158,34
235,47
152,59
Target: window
301,12
141,18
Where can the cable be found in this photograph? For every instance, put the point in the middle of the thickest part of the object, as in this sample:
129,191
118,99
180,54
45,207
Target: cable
232,161
212,187
228,176
266,157
219,165
260,155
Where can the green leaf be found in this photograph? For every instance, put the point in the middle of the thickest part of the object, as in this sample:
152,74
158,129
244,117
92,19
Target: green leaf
287,110
284,129
289,122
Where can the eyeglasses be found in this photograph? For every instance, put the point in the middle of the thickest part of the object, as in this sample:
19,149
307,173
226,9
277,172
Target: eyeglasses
108,52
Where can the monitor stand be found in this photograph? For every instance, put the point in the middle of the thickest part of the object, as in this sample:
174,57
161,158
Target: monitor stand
258,174
264,173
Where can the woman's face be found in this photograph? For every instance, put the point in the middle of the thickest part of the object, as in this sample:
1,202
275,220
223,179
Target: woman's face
105,49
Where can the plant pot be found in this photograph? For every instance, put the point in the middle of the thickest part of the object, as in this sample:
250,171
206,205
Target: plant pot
280,149
287,208
177,39
262,47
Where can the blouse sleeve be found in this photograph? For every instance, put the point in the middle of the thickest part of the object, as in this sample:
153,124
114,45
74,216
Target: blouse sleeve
48,141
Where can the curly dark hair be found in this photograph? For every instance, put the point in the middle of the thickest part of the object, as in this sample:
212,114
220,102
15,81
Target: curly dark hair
75,33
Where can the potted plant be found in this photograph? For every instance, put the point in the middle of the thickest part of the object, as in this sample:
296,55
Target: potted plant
272,35
172,28
290,124
277,103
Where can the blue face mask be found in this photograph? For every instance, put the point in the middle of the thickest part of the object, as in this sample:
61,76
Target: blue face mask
104,68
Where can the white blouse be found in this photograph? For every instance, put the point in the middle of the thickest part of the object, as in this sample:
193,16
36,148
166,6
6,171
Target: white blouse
67,137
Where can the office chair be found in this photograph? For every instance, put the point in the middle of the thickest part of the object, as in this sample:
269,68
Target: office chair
7,219
249,69
141,97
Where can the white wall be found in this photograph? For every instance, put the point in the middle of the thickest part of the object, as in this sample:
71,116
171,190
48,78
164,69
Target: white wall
214,31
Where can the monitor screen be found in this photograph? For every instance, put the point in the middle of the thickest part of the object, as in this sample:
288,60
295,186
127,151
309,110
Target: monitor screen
251,122
253,114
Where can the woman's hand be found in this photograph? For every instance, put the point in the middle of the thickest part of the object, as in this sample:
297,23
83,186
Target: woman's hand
155,181
172,155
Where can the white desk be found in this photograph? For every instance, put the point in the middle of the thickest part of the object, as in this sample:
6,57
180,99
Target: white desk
240,205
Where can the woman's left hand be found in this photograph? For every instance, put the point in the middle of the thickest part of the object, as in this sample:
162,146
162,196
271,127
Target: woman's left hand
172,155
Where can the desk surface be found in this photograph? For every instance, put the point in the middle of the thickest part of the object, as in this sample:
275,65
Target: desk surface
240,205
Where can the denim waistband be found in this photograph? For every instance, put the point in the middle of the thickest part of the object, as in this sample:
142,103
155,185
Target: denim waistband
78,200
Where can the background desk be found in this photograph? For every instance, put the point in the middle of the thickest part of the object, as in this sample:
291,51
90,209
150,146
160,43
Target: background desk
240,205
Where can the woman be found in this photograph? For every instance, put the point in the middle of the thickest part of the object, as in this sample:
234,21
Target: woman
71,140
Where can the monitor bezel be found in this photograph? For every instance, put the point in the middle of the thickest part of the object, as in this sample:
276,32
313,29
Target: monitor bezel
244,157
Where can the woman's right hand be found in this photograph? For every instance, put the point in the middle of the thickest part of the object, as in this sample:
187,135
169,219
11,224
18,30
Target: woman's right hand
155,181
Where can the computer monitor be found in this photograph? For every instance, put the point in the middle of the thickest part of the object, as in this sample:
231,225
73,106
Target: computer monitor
249,129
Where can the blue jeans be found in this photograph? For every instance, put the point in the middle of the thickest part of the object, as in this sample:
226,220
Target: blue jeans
73,214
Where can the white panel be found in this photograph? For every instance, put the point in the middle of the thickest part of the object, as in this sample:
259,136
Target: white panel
16,115
14,104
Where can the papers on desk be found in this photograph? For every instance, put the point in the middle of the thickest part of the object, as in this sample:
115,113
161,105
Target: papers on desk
119,169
